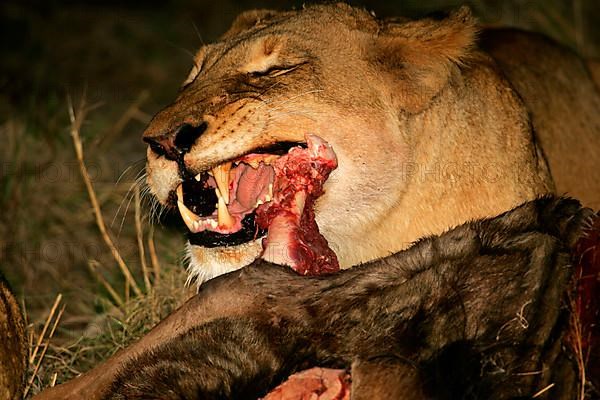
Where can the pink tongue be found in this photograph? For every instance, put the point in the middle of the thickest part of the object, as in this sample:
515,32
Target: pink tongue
293,236
253,184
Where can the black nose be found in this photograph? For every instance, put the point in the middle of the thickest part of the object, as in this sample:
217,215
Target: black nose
176,143
187,135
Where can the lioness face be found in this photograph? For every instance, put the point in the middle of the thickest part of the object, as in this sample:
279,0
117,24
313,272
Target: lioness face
270,81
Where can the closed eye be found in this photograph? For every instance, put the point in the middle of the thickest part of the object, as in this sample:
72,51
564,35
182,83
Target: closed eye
275,70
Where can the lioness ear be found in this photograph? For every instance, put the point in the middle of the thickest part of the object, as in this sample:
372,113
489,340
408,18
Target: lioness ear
247,20
418,56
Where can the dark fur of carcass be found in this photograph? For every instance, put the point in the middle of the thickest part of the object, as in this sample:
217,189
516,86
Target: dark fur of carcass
480,312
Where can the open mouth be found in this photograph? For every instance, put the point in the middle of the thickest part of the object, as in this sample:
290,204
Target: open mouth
219,206
268,193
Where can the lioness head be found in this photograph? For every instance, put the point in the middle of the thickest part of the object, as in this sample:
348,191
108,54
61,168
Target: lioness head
426,134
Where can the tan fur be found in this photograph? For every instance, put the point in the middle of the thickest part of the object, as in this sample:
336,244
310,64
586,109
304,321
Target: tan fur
564,105
428,129
13,350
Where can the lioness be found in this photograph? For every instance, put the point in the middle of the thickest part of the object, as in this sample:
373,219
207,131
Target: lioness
429,129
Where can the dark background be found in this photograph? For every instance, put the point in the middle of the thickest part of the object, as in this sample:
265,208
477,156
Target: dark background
128,59
118,48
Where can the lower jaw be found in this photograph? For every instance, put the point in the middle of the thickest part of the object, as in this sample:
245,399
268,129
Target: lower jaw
210,239
209,262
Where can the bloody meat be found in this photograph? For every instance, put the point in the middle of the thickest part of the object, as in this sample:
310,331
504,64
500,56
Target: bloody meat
293,235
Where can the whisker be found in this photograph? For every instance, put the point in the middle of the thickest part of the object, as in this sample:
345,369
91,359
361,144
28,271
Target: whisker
125,212
198,33
126,170
129,198
141,175
182,49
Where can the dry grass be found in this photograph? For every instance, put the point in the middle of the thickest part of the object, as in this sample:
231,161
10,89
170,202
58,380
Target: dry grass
127,317
76,122
34,362
112,331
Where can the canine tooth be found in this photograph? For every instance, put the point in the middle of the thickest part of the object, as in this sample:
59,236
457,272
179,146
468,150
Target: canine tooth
198,177
267,198
225,219
258,203
188,216
190,219
221,175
